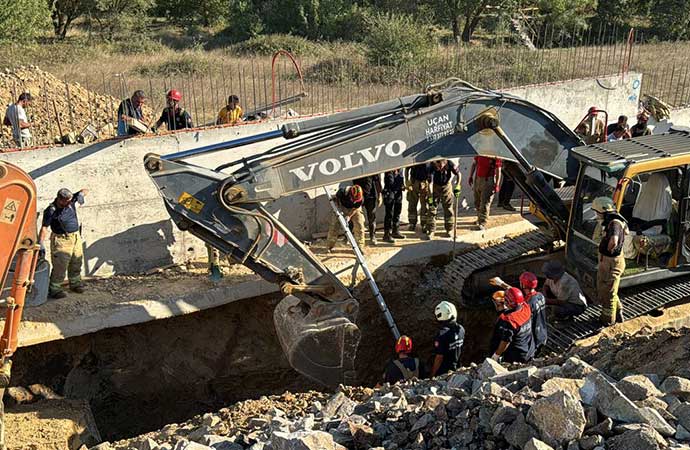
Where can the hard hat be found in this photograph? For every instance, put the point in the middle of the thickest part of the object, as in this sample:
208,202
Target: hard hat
174,94
446,311
499,296
528,280
603,204
356,193
514,297
403,345
593,110
64,193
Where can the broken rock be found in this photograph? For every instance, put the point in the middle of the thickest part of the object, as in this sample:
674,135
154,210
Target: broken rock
640,439
609,400
569,385
304,440
558,418
536,444
490,368
676,386
519,432
638,387
338,406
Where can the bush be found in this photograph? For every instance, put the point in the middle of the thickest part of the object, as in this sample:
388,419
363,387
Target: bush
22,20
396,40
139,44
271,43
188,63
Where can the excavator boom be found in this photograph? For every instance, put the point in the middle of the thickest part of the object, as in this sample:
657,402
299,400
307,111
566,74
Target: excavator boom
447,121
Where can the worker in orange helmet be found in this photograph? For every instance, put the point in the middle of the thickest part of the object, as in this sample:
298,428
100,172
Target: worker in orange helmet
174,116
349,200
512,340
403,366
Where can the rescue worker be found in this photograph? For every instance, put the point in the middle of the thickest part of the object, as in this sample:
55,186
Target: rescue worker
393,184
15,117
66,252
448,342
445,178
596,127
214,271
371,187
485,178
611,260
231,113
418,180
623,123
562,292
641,128
536,302
505,194
403,366
130,109
349,200
173,115
512,340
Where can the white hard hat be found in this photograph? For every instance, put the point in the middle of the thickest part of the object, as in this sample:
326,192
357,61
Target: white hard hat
446,311
603,204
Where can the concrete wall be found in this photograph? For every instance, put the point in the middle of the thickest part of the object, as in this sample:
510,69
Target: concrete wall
126,228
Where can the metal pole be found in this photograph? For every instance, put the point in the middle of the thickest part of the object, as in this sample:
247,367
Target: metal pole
362,262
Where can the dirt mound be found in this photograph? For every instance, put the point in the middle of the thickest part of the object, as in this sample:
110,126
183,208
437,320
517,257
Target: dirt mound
75,105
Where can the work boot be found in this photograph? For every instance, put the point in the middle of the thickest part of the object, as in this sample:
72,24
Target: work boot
619,314
372,238
57,294
396,233
481,226
508,207
412,227
387,237
215,274
79,289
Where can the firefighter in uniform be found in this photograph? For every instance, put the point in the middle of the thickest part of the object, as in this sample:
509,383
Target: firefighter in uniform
349,200
371,188
393,183
611,260
418,179
445,186
403,366
448,342
512,340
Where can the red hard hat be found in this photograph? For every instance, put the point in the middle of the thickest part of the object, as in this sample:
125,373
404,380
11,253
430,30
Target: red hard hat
593,109
403,345
174,94
356,193
514,297
528,280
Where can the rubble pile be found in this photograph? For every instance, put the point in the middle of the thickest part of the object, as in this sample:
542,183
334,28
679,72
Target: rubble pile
570,406
76,106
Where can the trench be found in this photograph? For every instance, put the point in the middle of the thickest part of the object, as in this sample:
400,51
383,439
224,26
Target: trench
141,377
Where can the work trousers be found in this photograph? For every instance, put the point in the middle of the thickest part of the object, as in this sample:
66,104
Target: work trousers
609,272
484,190
334,227
393,204
419,194
369,207
66,256
443,194
213,256
506,192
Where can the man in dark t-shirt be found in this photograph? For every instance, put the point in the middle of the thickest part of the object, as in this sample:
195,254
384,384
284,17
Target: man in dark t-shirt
173,115
448,341
512,340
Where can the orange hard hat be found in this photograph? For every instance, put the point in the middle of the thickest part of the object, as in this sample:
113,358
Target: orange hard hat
403,344
174,94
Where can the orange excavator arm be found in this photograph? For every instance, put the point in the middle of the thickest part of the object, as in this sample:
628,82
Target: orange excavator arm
18,242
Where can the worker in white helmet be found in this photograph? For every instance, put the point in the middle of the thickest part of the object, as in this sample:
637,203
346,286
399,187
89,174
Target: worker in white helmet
448,342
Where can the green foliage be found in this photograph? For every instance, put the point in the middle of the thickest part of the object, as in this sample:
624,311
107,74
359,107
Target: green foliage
188,63
22,20
671,19
193,12
396,40
567,15
116,18
270,43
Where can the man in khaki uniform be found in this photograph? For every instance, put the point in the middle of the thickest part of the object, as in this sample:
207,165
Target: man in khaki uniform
349,200
418,183
485,179
214,272
66,255
611,260
445,186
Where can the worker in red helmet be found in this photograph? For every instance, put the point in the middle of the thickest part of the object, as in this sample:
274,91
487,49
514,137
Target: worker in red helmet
174,116
536,302
595,126
403,366
512,340
349,200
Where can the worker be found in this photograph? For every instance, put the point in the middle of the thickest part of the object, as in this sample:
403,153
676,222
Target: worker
349,200
66,253
641,128
130,109
536,302
403,366
562,292
393,184
623,123
417,182
611,260
485,178
446,179
448,341
505,194
618,134
371,187
214,272
596,127
231,113
15,117
174,116
512,339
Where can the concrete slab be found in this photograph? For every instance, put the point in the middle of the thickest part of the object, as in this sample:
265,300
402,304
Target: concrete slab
126,300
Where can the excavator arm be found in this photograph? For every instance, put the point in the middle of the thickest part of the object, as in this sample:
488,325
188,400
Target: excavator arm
18,243
314,322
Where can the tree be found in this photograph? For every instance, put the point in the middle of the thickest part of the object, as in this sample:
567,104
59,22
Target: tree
119,17
463,16
396,40
23,19
194,12
64,12
671,19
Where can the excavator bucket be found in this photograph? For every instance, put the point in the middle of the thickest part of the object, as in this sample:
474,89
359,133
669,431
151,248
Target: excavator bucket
319,338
